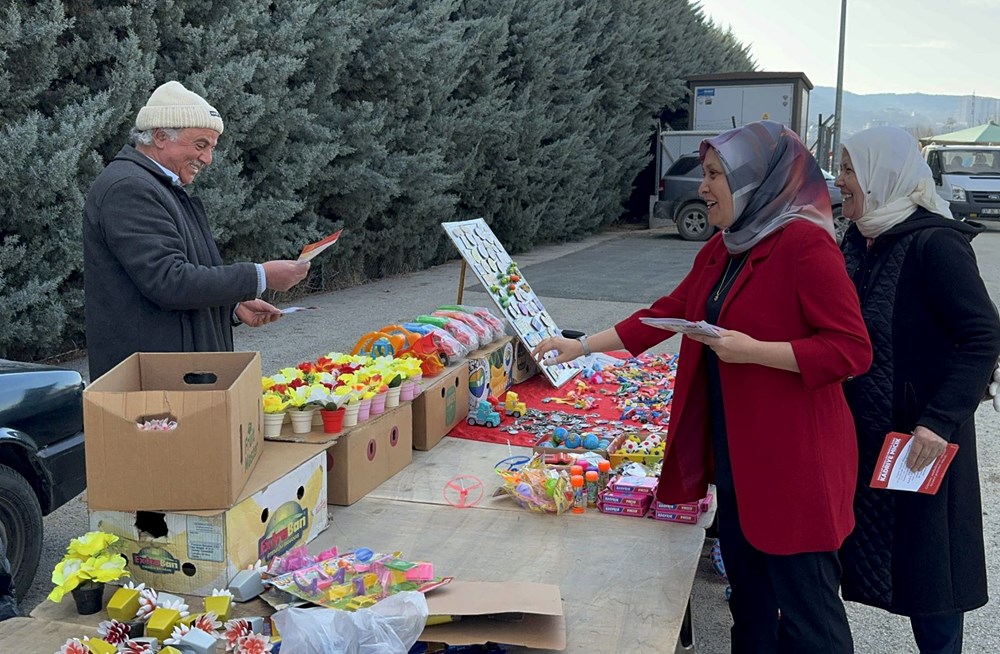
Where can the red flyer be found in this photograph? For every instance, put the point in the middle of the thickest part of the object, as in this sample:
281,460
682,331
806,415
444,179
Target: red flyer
313,249
891,471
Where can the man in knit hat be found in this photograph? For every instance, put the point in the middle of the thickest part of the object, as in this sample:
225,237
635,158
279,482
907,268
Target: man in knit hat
153,277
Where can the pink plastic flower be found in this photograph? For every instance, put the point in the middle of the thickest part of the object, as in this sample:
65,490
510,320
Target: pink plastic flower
74,646
253,644
235,629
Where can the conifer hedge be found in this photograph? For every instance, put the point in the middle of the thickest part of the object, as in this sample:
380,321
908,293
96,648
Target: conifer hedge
385,117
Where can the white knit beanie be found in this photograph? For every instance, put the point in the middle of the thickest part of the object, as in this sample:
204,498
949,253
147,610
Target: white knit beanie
172,105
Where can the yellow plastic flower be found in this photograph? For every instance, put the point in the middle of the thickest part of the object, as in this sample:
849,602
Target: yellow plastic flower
266,383
274,403
90,544
88,558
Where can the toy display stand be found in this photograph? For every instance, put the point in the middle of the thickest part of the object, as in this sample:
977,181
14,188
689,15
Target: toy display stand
512,296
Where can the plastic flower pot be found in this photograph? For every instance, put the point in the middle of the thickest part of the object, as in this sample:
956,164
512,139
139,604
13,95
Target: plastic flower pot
392,396
89,597
351,414
406,391
333,420
364,409
378,404
302,421
272,424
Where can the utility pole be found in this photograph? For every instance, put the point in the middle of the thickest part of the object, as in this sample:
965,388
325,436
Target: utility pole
840,91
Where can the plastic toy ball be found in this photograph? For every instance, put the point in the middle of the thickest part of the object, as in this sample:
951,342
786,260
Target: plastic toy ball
654,439
573,441
630,447
646,446
603,444
559,435
590,441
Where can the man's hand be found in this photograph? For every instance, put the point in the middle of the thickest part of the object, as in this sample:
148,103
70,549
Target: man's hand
257,312
282,274
926,447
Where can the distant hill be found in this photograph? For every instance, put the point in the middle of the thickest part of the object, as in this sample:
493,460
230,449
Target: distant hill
930,114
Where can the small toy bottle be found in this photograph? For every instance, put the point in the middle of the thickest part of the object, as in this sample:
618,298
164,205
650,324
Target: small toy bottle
579,494
575,470
591,478
604,473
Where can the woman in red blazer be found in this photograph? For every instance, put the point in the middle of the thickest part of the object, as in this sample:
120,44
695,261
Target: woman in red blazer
759,410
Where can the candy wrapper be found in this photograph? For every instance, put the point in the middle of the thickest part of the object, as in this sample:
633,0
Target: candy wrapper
537,487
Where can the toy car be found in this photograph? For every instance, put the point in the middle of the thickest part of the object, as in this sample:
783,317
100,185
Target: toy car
484,415
512,407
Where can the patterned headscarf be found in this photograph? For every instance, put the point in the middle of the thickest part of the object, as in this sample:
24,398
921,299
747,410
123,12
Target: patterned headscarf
774,180
894,176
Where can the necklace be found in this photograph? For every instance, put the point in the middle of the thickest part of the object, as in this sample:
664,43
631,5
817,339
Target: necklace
723,283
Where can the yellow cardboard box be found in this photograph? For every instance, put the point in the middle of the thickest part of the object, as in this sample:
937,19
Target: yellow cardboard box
192,552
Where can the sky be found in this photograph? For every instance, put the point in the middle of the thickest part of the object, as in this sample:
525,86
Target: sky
891,46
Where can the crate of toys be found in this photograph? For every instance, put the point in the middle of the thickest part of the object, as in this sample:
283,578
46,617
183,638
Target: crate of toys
562,440
643,447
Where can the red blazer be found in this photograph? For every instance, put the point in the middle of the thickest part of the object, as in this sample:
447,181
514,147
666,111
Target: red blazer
791,436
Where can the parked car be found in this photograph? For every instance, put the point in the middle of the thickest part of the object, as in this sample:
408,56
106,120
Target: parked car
41,456
679,201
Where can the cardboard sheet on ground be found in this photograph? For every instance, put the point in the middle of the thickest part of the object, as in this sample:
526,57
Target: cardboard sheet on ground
31,635
511,293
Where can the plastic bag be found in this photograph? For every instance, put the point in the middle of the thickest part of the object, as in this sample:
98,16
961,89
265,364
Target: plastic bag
390,627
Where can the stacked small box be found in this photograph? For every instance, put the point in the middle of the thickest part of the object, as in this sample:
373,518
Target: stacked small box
631,496
687,513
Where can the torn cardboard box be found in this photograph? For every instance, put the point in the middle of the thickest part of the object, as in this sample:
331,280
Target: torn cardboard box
192,552
211,404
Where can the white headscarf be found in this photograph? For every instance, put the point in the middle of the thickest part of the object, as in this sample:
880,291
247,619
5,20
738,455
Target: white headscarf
894,177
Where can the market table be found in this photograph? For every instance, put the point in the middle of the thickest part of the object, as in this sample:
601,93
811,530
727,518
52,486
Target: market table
625,582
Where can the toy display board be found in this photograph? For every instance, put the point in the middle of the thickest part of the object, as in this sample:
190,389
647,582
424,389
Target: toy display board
511,293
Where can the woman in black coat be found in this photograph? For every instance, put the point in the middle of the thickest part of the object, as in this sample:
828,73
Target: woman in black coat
935,335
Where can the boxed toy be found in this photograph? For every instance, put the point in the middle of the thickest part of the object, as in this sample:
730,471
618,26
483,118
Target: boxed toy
631,484
620,509
643,500
193,552
173,431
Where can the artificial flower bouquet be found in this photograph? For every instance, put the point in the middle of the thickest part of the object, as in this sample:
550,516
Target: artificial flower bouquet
89,558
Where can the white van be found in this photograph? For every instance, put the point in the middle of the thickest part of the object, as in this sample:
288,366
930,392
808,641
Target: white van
968,177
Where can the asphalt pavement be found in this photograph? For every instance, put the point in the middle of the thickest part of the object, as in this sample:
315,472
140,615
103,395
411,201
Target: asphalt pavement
586,285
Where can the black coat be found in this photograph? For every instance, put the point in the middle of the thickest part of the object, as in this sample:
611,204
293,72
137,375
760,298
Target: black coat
153,277
935,335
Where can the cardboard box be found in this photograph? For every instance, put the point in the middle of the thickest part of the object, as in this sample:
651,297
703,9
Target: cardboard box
365,456
491,371
205,462
192,552
511,613
443,403
524,366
